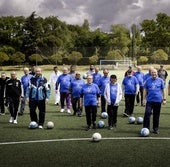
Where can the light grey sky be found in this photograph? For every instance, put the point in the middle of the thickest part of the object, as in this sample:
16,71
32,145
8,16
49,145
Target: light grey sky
100,13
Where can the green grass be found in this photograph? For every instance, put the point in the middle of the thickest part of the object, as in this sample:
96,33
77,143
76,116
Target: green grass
128,152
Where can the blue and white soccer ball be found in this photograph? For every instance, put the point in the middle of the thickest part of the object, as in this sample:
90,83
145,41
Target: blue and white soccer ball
96,137
131,120
139,120
101,124
33,125
84,76
104,115
50,125
145,132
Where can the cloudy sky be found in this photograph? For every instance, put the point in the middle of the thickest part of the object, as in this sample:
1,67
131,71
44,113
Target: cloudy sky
100,13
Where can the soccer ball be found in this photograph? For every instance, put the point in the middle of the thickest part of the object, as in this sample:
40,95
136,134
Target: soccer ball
33,125
131,120
104,115
50,125
139,120
145,132
101,124
84,76
96,137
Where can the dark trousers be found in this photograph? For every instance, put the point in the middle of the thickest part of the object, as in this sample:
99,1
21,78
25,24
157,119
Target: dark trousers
76,105
139,97
13,106
91,112
2,105
112,114
65,96
129,103
103,104
33,104
155,107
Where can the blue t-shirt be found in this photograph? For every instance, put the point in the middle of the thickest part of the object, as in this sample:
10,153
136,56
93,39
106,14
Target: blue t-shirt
130,84
76,86
147,76
154,89
90,93
25,81
140,78
64,80
96,78
102,83
113,93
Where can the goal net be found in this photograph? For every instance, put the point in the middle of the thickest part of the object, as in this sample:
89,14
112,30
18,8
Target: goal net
114,64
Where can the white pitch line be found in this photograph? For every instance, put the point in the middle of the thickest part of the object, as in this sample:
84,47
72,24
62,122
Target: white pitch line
85,139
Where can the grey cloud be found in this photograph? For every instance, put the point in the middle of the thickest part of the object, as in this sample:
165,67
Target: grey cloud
100,13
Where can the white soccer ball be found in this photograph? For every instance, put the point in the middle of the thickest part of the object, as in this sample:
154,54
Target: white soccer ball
101,124
131,120
145,132
104,115
139,120
33,125
84,76
96,137
50,125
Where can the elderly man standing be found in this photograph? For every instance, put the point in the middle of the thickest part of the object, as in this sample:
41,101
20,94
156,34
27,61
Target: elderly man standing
13,93
154,96
37,95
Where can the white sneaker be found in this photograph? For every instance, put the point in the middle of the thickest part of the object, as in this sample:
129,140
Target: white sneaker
40,127
11,119
62,110
15,121
68,111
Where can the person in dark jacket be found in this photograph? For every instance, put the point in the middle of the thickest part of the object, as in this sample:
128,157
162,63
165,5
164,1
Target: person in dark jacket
37,94
3,80
13,92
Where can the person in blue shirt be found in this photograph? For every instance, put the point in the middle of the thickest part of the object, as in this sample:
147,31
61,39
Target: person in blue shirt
105,79
64,81
130,88
140,77
96,76
154,96
148,75
38,94
25,79
113,95
75,88
89,97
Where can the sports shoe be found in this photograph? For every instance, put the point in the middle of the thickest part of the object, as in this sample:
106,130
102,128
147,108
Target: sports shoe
94,126
11,119
88,128
2,113
156,132
15,121
125,114
110,128
68,111
62,110
40,127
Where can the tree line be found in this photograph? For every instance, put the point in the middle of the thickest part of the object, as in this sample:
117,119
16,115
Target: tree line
33,39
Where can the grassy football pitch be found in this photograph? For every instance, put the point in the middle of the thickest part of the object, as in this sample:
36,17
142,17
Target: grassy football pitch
68,144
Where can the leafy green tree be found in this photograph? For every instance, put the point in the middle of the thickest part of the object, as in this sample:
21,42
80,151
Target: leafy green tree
35,58
159,56
93,59
18,57
56,58
74,57
3,57
142,59
114,55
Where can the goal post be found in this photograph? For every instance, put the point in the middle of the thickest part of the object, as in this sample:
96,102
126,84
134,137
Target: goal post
114,64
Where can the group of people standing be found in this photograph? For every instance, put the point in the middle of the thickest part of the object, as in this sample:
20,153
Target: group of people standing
98,91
